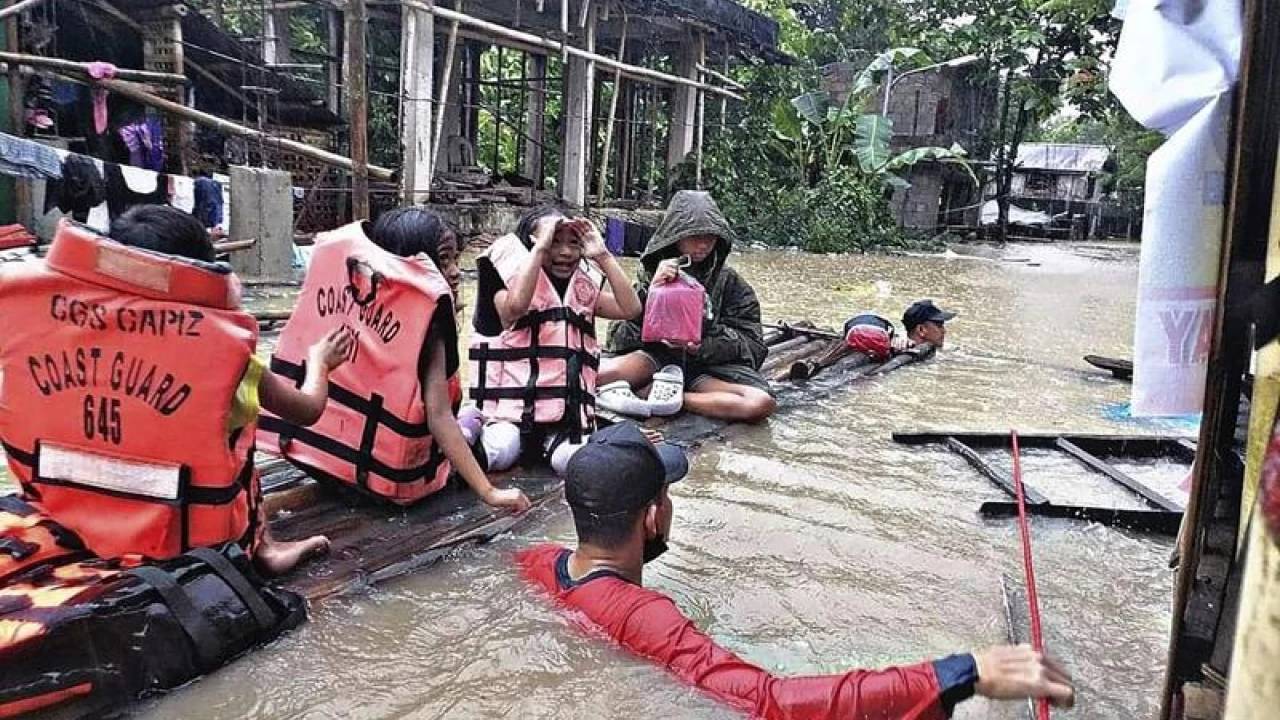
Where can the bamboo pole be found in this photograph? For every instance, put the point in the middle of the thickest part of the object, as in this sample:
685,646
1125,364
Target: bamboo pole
18,7
498,31
139,95
613,114
734,84
445,78
79,67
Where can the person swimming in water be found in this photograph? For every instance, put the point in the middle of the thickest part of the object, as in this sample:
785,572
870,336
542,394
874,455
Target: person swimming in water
618,492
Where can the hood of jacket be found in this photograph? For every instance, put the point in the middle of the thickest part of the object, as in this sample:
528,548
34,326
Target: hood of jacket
690,213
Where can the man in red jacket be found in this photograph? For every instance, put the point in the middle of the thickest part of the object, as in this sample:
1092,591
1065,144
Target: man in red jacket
616,487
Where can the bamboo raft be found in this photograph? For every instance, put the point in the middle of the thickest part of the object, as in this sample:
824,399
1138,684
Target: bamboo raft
371,541
1163,516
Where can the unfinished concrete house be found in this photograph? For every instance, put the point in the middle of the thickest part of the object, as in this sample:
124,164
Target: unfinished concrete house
936,107
477,107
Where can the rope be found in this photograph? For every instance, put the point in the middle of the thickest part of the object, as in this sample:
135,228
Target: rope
1033,598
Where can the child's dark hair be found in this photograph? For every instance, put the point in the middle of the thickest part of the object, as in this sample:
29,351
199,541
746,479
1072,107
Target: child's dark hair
412,231
529,221
163,229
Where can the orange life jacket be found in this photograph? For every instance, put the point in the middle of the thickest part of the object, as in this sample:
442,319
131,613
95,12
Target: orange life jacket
120,370
542,369
374,432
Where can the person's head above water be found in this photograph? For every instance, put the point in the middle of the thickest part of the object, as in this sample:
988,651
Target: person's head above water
163,229
413,231
925,322
566,245
693,226
616,487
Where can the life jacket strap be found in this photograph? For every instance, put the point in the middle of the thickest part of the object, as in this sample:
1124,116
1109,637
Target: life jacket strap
204,640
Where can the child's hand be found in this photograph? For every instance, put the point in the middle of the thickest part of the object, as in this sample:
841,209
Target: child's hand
510,498
653,436
332,351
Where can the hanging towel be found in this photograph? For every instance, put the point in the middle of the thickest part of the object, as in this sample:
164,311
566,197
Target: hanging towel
155,155
129,186
182,193
26,159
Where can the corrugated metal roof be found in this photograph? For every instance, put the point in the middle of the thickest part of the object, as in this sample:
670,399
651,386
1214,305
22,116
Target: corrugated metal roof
1062,157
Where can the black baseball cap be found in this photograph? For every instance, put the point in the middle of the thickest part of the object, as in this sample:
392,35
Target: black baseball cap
619,470
923,311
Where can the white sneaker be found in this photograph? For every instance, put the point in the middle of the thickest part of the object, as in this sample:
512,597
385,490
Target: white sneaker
666,396
617,397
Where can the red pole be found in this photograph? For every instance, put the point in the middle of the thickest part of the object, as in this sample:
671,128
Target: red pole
1033,598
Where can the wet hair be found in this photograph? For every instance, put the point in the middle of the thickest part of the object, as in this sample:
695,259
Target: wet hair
163,229
607,531
412,231
529,221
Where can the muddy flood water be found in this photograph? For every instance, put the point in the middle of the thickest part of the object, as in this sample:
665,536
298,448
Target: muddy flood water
811,544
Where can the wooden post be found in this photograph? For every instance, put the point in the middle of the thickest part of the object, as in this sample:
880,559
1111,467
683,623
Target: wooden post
335,47
702,122
684,107
262,208
417,83
357,96
613,114
449,86
534,110
275,37
162,51
575,145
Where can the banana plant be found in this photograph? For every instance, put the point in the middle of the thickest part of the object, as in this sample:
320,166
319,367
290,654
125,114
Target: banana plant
819,133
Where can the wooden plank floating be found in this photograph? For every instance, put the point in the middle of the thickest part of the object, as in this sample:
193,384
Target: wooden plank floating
372,541
1152,521
1135,446
1097,465
995,475
1119,368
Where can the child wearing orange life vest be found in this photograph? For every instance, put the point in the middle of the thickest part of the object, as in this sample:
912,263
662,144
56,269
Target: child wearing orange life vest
412,231
167,230
533,350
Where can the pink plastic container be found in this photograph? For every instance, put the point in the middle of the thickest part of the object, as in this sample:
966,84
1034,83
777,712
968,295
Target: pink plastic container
673,312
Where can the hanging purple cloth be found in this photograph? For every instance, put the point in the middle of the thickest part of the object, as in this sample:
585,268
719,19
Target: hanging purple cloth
137,138
615,233
155,158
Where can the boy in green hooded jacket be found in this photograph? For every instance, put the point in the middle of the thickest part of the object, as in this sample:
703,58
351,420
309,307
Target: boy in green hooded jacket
718,378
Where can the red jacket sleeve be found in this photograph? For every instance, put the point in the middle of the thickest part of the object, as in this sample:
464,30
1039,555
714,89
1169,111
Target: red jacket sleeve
656,629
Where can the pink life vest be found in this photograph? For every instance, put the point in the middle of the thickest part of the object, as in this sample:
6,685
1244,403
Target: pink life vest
373,433
542,369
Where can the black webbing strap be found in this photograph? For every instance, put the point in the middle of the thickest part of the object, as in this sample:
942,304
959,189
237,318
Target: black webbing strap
365,406
239,584
367,438
351,455
204,639
528,416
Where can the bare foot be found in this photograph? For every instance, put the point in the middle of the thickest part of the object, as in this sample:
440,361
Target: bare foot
276,557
